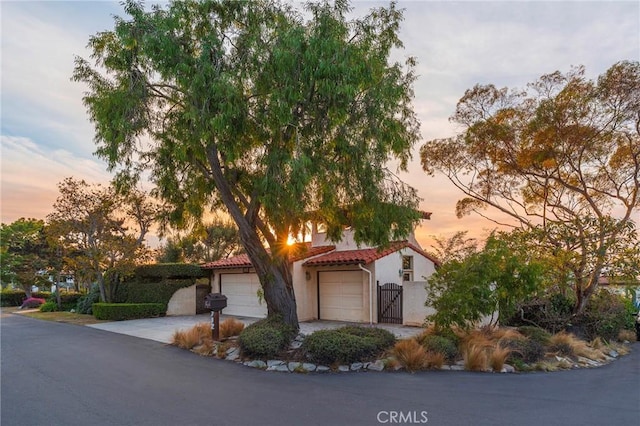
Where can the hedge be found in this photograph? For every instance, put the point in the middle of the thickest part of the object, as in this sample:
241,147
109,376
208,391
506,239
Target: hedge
168,270
127,311
150,292
16,297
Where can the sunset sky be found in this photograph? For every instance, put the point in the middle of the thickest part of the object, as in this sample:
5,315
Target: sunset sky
46,135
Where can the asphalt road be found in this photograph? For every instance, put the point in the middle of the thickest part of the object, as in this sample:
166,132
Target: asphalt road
59,374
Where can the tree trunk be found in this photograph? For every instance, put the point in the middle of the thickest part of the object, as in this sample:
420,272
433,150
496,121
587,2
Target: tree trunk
103,292
275,277
58,297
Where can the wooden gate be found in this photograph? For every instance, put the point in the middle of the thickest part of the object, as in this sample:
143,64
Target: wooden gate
390,303
201,291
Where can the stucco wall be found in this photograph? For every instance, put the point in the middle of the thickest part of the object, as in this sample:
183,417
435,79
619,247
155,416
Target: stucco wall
183,302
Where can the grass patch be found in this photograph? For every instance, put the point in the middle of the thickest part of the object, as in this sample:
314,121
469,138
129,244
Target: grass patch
64,317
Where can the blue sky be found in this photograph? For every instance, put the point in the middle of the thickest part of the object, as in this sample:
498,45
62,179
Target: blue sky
46,136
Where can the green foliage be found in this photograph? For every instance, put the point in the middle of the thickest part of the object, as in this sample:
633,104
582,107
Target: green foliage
526,350
553,313
347,344
157,283
24,252
302,115
265,338
101,230
441,344
168,270
85,303
9,297
205,243
537,334
465,291
605,316
127,311
49,306
560,157
381,338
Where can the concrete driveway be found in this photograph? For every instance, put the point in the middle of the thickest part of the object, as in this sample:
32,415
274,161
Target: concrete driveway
162,329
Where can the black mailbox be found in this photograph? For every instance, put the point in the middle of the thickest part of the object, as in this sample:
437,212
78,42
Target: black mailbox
215,301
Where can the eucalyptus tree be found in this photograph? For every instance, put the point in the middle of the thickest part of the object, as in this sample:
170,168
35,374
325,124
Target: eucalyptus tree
269,112
561,158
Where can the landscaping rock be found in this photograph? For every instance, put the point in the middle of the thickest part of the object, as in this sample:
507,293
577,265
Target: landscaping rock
295,344
457,367
231,351
376,366
293,366
233,357
613,353
507,369
343,368
307,366
274,363
257,364
282,368
322,369
356,366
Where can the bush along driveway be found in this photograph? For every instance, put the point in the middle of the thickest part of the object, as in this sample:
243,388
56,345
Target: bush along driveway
271,346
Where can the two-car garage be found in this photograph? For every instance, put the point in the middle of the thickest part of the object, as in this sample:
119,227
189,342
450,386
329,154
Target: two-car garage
341,295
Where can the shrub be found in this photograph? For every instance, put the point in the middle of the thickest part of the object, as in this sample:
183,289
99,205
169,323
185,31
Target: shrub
525,350
231,327
50,306
265,338
127,311
333,346
475,357
627,335
410,354
434,360
168,270
535,333
196,335
605,315
441,345
382,338
10,297
68,300
32,302
566,344
84,304
498,357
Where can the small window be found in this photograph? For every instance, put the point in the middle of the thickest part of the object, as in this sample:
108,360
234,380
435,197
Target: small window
407,268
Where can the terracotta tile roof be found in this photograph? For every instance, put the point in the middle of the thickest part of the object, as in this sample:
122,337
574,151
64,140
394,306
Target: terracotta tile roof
363,256
299,252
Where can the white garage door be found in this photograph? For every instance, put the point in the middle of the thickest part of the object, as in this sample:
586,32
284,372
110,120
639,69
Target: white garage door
242,295
341,296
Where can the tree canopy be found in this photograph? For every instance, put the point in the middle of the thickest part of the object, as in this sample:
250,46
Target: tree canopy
24,253
265,110
561,157
99,231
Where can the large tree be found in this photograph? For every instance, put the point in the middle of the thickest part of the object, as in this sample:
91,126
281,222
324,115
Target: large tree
100,231
264,110
561,158
24,253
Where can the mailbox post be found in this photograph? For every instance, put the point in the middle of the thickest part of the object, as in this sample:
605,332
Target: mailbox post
216,302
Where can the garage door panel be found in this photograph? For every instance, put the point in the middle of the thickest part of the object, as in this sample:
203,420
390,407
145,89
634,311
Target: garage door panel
341,295
242,295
